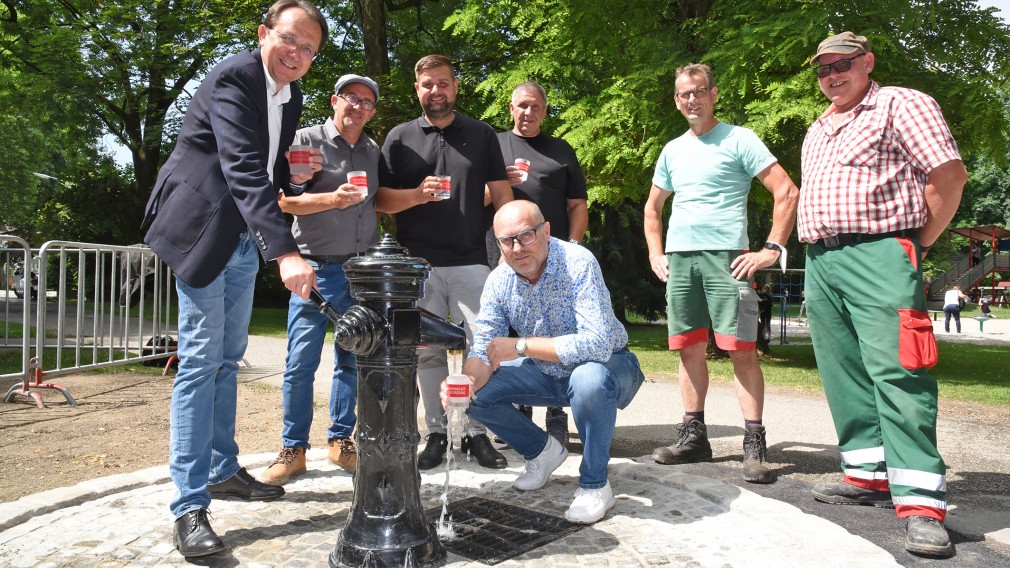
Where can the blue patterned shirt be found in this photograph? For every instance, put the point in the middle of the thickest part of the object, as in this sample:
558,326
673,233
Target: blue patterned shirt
569,303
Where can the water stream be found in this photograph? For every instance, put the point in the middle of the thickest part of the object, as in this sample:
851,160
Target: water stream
456,421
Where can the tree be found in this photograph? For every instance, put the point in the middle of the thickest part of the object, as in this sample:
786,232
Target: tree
127,63
609,74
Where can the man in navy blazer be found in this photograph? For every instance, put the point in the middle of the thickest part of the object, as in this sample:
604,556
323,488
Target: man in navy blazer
212,215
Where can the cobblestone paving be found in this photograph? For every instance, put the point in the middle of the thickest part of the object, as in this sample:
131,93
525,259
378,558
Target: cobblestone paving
663,518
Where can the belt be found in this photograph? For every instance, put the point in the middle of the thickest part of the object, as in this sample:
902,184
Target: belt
330,258
844,239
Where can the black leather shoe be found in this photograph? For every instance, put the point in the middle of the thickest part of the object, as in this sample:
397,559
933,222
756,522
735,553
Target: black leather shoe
480,447
244,486
432,454
194,537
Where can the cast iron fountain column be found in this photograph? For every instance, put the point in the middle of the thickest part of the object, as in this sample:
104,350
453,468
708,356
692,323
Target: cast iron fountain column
386,525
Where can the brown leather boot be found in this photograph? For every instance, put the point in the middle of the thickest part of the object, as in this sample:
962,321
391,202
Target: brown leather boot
289,463
344,453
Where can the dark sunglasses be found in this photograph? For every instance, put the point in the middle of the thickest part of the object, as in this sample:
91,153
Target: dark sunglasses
842,65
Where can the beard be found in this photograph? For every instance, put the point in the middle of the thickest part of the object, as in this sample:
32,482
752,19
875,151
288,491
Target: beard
439,110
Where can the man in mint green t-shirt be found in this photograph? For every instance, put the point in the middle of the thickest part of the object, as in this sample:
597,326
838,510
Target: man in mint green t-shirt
707,265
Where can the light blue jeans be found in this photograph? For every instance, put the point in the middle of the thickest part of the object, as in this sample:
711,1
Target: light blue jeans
594,391
213,334
307,328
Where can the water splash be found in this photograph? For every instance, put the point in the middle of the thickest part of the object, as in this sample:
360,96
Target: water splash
456,420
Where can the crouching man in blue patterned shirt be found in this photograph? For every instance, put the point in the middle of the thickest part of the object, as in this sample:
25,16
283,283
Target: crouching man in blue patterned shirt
571,351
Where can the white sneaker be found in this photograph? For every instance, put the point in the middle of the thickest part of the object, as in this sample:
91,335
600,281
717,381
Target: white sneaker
590,505
538,470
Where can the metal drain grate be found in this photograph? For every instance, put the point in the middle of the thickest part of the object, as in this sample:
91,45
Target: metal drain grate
491,532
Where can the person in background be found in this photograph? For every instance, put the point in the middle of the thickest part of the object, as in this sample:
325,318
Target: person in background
212,215
953,302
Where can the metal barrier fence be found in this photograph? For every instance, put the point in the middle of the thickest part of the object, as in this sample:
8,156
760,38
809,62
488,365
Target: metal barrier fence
98,306
16,256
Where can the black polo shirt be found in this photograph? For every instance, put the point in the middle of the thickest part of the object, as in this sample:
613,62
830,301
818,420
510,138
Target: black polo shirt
449,232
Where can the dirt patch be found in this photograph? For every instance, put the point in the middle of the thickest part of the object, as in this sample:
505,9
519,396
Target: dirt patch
120,426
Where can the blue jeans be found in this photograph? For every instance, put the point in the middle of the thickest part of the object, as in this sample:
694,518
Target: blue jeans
307,328
213,334
594,391
951,311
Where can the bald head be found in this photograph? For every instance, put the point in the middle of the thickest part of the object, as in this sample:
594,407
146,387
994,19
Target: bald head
517,211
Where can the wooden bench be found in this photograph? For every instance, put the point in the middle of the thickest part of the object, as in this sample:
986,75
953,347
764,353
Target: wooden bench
935,313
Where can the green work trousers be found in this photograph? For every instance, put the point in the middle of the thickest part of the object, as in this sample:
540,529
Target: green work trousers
874,343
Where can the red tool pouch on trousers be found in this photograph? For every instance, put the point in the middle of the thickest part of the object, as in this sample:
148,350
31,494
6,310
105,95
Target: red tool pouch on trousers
916,344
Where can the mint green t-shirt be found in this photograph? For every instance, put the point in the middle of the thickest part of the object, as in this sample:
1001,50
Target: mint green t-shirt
710,176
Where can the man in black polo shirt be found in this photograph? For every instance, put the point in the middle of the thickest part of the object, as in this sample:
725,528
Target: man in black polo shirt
449,233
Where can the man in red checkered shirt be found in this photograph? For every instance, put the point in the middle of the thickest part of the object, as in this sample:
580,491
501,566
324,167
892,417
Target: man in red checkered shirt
882,178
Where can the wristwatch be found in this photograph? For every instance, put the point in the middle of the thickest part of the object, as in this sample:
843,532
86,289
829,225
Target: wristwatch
521,347
781,250
775,246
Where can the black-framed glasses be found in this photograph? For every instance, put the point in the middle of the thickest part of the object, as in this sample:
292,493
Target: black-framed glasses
291,42
352,100
700,92
842,65
525,238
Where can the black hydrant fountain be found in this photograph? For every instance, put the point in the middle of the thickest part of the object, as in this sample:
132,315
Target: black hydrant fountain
386,526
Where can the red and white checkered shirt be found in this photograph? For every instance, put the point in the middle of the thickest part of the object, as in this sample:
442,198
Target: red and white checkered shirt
869,174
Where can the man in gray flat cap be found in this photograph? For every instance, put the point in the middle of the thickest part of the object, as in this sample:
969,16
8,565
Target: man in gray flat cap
334,221
882,178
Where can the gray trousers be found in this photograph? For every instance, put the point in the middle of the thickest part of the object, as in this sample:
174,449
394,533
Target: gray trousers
451,292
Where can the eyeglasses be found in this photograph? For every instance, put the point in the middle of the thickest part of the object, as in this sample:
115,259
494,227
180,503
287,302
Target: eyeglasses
525,238
291,42
842,65
352,100
698,93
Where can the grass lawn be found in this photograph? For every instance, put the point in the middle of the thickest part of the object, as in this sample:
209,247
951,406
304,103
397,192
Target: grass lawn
965,372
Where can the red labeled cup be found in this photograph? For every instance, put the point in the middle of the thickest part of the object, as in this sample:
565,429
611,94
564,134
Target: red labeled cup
359,179
524,168
457,391
298,159
444,187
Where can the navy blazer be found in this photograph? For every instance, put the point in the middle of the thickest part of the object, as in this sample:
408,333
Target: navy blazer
215,186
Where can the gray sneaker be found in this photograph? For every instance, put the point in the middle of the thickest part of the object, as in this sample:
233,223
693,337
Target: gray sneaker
755,450
691,446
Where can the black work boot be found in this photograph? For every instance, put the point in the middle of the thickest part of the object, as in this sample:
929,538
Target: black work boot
755,449
557,425
848,494
432,454
480,447
927,536
691,446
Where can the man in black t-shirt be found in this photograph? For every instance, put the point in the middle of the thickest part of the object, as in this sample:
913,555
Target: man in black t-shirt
448,232
554,181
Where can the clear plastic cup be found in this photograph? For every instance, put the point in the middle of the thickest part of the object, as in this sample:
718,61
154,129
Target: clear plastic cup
457,389
524,168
